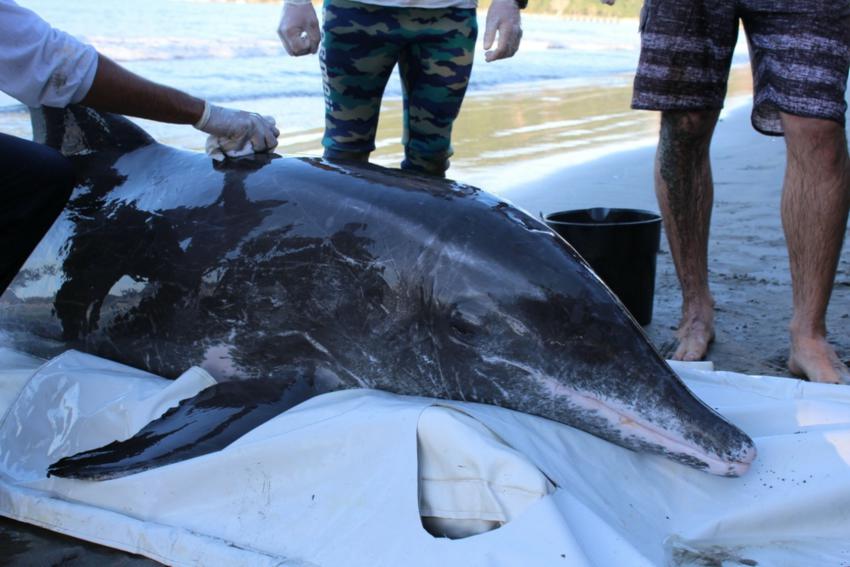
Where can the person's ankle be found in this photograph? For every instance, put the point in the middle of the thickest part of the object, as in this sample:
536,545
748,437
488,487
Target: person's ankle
697,304
806,330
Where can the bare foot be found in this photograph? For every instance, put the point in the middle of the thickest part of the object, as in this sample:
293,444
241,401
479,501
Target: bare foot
696,331
815,359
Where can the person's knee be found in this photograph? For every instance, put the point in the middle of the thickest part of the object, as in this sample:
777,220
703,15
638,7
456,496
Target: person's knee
689,126
59,174
55,179
45,167
815,139
807,127
34,167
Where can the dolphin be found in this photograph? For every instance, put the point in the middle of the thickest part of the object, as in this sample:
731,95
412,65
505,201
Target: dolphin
320,276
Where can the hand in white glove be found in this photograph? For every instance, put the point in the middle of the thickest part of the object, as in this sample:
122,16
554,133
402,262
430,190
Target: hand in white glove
299,28
235,133
503,17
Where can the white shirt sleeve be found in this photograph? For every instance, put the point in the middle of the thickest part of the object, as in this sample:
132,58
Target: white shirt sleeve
40,65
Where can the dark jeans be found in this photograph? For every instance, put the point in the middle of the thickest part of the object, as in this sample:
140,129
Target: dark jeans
35,183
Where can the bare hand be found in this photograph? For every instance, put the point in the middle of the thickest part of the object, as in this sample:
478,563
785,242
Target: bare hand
502,17
299,29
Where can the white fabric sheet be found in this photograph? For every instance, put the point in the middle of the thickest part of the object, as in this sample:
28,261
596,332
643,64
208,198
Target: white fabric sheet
335,481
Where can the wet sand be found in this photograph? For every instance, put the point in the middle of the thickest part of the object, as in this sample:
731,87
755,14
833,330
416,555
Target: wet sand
28,546
748,261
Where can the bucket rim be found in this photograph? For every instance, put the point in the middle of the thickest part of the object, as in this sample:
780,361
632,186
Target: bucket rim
654,217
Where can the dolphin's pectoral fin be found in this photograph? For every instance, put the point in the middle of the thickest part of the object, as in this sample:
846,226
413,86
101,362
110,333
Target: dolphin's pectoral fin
206,423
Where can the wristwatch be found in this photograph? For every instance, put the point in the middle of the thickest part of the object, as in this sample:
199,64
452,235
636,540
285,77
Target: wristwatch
521,4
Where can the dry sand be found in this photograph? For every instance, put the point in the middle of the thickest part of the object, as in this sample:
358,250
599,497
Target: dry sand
748,262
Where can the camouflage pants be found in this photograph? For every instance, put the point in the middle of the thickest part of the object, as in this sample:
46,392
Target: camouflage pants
361,45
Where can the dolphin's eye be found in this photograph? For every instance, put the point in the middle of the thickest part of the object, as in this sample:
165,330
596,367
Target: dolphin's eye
462,327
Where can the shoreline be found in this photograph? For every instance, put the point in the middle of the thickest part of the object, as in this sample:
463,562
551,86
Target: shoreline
558,164
574,124
482,6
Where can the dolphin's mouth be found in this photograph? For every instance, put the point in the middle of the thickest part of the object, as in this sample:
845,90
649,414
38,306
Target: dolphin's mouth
680,449
663,434
636,430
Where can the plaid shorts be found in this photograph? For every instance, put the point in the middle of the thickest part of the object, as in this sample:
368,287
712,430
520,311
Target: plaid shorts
799,51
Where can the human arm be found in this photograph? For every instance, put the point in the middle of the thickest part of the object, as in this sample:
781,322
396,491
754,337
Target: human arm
115,89
502,17
299,28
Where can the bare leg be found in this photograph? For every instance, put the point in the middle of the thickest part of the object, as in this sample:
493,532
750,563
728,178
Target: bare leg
815,200
685,191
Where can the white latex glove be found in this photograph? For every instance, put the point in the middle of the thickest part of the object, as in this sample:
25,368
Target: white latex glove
503,17
299,28
236,133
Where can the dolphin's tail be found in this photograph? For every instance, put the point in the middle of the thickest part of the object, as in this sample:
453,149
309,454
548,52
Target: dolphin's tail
78,130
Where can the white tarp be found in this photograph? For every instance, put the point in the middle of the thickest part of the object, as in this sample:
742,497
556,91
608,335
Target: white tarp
336,480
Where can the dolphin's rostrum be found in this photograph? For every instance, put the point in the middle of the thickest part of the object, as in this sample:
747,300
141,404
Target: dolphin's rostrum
328,276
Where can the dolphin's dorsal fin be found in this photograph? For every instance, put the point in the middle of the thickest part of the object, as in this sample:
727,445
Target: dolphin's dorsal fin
76,130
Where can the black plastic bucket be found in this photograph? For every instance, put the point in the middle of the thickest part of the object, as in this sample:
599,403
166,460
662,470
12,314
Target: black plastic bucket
620,245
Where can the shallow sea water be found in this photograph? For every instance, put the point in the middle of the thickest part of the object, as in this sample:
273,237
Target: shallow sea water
563,99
